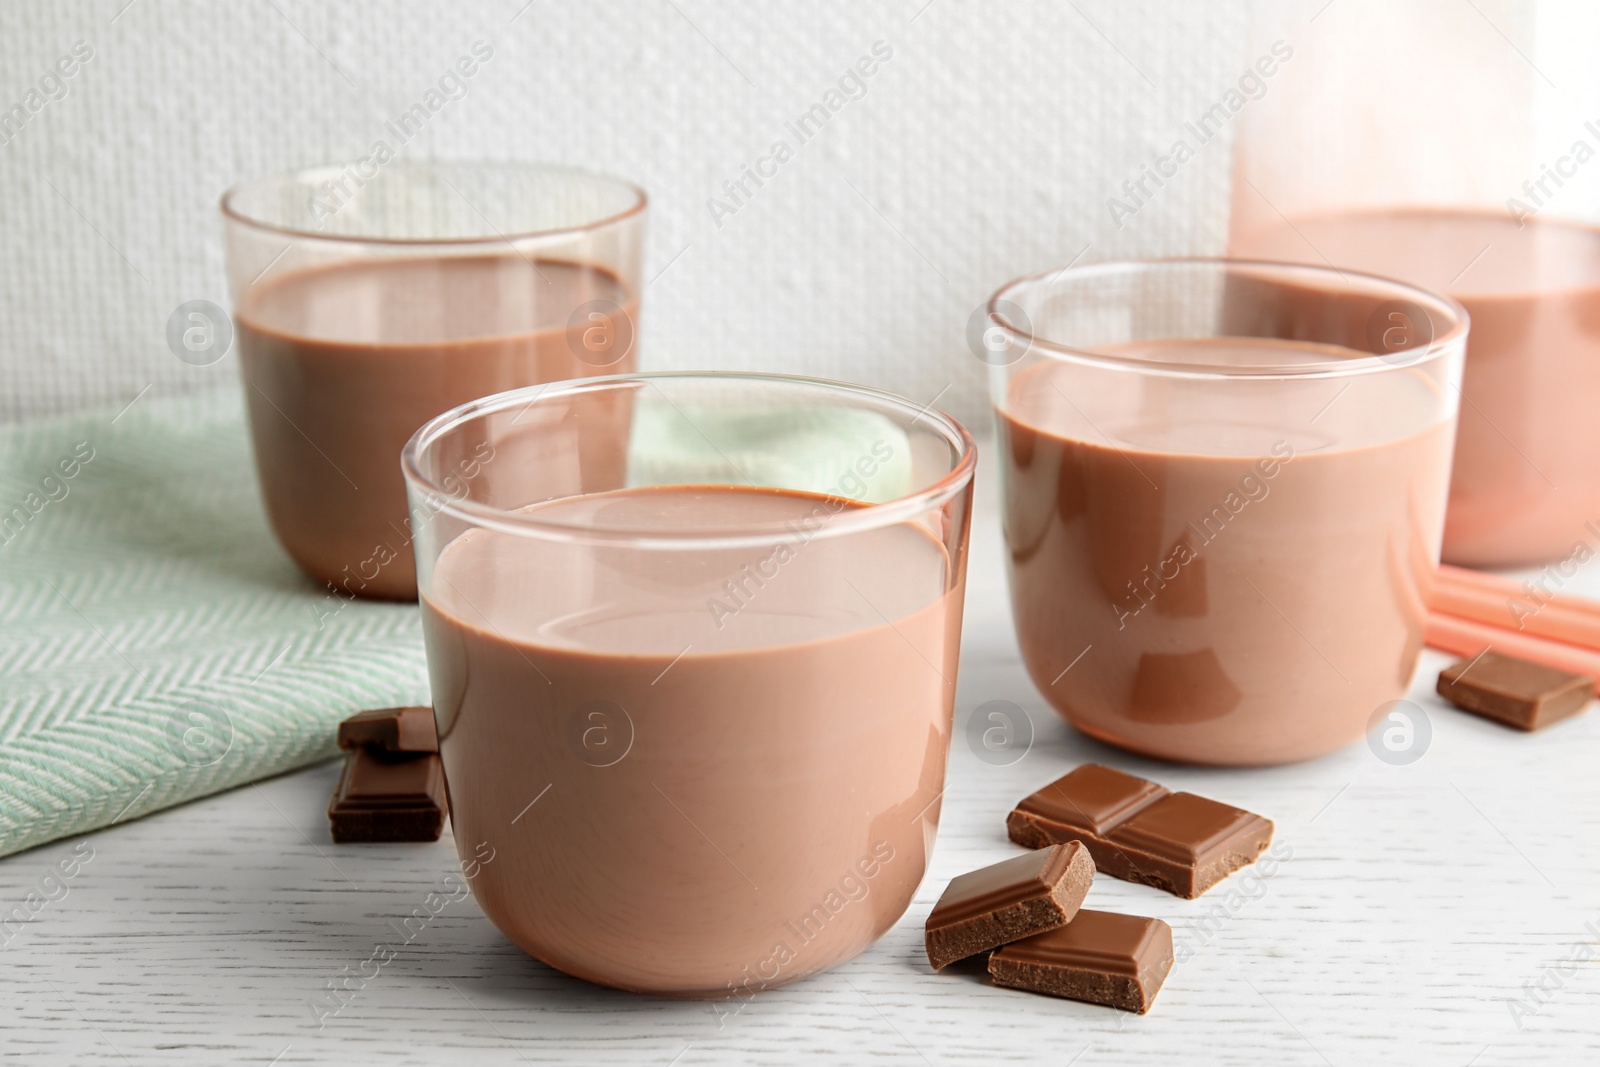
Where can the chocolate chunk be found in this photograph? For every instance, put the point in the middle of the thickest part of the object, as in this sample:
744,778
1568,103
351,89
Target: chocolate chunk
384,797
1139,832
1186,844
391,729
1100,957
1088,801
1516,692
1008,900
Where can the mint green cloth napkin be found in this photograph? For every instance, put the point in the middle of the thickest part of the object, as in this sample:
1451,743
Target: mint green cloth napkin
155,643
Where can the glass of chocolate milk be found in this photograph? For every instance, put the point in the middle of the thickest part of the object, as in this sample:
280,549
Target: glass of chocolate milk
369,299
1463,169
692,641
1224,493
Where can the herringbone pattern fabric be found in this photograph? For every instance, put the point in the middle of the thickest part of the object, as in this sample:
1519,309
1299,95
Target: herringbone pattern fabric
155,643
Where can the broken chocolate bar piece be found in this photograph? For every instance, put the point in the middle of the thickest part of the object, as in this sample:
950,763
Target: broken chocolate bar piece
384,797
391,729
1007,901
1515,692
1100,957
1082,805
1139,832
1186,844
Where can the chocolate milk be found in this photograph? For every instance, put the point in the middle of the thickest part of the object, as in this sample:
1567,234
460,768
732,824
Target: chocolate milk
704,771
1214,586
1527,464
343,363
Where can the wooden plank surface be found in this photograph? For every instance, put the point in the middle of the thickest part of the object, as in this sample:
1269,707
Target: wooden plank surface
1443,912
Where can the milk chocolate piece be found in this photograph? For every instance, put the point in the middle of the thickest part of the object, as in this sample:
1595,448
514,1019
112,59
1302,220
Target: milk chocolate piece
391,729
1083,804
1515,692
1100,957
1139,832
1186,844
388,797
1008,900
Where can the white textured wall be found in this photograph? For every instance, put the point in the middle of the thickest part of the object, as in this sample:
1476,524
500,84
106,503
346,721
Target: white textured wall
985,148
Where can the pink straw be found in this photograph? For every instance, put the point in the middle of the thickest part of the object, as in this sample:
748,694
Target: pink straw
1467,638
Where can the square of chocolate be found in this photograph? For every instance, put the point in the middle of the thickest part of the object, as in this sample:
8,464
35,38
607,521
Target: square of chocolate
384,797
1186,844
1082,805
1101,957
391,729
1007,901
1515,692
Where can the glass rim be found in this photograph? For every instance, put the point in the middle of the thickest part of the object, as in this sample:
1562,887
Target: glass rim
229,206
859,515
1439,346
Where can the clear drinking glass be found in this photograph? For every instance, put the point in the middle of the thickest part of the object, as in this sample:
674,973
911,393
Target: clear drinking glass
692,641
370,298
1453,145
1224,487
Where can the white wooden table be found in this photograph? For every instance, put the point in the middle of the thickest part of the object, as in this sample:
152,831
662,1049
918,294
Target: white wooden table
1420,904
